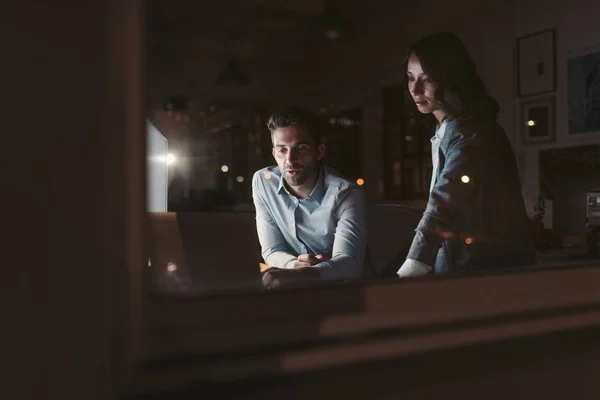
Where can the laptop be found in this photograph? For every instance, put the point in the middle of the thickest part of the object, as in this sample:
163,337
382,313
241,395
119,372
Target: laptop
196,253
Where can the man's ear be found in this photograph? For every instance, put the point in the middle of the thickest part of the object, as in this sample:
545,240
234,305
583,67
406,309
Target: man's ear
320,152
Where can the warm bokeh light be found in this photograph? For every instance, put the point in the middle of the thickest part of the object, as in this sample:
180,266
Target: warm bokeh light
531,123
447,235
240,179
224,168
468,240
465,179
360,181
171,267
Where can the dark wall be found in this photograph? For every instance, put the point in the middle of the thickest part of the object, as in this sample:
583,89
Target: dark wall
70,92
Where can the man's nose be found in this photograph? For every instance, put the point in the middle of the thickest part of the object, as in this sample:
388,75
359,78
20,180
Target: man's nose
291,155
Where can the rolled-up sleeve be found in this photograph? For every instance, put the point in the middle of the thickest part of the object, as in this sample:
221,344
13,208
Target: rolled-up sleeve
450,197
274,248
350,239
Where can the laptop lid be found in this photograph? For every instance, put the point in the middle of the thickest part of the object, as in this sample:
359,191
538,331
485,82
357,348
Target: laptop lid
197,252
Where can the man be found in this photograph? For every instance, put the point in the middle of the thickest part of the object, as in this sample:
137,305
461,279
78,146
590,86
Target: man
311,222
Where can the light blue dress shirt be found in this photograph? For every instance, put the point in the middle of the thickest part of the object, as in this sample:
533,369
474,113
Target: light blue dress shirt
331,221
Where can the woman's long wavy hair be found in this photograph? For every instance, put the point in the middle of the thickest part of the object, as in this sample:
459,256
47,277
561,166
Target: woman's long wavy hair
460,91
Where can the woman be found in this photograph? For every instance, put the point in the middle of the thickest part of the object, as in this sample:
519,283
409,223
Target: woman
475,217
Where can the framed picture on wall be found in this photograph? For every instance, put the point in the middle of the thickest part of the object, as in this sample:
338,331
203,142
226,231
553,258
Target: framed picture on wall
536,63
583,93
538,120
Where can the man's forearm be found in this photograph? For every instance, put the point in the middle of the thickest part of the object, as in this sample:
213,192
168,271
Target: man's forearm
280,259
350,240
339,268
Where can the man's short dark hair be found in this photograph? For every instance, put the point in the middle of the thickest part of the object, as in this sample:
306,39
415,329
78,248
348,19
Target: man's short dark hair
296,116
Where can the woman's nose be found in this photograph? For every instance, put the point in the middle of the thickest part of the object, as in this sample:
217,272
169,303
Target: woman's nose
416,88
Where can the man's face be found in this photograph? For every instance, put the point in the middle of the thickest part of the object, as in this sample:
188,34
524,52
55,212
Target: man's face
296,154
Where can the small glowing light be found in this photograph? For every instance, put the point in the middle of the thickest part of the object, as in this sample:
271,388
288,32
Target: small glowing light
267,175
360,181
332,34
177,117
468,240
408,138
149,262
170,159
171,267
240,179
224,168
465,179
531,123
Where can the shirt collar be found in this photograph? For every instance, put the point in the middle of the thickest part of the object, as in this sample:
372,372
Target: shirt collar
439,132
318,191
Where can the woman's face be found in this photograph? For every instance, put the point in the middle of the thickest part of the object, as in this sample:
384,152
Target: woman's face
422,88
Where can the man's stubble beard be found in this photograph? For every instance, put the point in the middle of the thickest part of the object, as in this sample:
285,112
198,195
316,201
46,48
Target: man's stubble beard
306,174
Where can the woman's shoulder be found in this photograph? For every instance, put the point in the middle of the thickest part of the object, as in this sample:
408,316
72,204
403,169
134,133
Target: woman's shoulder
470,129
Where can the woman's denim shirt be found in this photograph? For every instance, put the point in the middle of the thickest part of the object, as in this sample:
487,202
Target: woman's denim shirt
475,213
